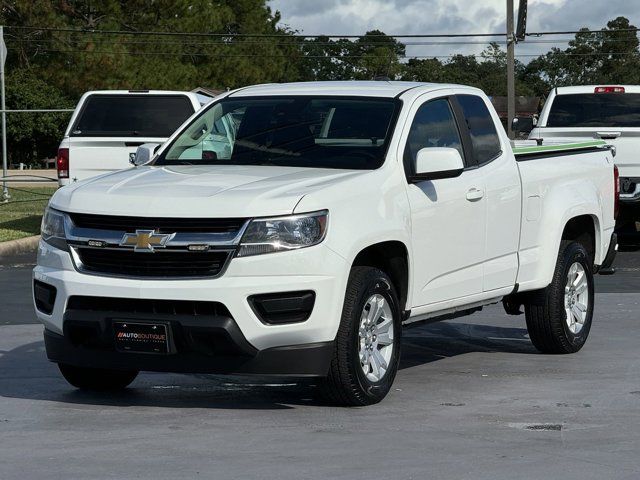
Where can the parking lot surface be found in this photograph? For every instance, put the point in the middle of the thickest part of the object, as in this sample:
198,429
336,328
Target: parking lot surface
473,400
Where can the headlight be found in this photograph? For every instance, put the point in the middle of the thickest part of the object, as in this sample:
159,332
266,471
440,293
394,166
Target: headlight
267,235
52,228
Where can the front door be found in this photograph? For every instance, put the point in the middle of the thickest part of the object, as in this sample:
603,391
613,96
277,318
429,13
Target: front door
448,216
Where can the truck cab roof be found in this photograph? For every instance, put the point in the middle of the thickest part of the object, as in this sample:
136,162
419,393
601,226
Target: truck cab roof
369,88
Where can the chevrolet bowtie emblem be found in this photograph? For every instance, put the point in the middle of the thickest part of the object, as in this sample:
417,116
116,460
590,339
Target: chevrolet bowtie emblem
145,240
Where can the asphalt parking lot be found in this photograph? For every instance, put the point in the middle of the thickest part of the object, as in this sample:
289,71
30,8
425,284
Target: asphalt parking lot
473,400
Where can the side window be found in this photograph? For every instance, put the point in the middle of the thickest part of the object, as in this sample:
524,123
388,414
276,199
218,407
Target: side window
433,126
482,129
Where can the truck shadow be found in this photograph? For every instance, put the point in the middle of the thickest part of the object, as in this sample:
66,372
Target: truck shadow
27,374
429,343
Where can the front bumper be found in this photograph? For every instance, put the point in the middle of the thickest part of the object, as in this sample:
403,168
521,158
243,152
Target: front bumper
292,348
308,360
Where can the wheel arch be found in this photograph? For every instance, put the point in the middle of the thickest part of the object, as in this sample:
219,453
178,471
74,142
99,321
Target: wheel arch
583,229
392,257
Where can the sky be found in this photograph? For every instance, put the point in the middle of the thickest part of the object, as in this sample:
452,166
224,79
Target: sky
335,17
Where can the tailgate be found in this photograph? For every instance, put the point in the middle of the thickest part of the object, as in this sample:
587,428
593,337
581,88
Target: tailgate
91,156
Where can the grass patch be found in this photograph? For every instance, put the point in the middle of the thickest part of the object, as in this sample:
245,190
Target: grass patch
21,216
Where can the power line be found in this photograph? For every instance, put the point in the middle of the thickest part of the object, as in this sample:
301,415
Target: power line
247,35
251,42
284,34
572,32
303,56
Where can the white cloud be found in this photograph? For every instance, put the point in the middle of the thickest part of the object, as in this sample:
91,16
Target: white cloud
355,17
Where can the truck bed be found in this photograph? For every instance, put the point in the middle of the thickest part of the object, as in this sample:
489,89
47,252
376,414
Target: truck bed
553,175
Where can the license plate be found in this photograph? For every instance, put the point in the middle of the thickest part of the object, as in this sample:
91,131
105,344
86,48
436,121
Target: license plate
141,337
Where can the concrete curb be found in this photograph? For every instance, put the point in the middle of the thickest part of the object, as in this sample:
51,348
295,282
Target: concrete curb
21,245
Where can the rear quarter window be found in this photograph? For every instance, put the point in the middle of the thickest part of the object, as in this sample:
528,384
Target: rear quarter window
482,129
132,115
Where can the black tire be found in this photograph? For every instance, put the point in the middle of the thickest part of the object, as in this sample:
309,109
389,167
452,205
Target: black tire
347,384
545,309
97,379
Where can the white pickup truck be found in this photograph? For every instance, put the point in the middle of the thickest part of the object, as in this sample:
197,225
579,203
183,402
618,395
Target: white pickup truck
303,241
601,112
108,126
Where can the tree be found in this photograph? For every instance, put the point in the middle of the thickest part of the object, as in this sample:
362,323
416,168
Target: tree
372,55
375,54
487,73
33,136
610,56
76,62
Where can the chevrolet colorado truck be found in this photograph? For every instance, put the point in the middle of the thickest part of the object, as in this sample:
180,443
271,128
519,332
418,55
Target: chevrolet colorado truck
301,242
601,112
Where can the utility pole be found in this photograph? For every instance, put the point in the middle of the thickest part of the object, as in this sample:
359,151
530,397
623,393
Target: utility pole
511,60
3,59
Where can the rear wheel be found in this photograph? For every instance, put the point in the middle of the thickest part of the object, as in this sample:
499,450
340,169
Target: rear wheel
97,379
367,350
559,316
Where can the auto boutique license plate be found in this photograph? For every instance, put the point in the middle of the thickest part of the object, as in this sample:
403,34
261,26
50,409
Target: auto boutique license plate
141,337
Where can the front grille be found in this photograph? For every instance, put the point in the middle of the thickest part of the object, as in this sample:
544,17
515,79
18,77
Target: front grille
160,225
124,262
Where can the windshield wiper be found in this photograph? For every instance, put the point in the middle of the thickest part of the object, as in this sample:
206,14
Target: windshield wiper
264,148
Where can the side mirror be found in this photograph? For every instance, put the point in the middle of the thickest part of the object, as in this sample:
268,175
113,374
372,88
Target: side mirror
522,125
437,163
144,153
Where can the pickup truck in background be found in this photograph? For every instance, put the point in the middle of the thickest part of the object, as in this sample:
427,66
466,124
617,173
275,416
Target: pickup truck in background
605,112
301,243
107,127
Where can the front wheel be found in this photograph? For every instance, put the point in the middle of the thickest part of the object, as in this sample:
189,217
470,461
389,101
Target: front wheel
559,316
97,379
367,351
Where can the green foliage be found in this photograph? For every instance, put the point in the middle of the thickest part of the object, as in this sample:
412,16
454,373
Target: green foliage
489,72
610,56
33,136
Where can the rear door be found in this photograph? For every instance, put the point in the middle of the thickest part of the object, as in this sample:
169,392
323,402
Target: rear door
109,128
497,168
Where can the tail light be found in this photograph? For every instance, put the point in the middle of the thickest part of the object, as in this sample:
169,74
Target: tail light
609,90
616,190
62,163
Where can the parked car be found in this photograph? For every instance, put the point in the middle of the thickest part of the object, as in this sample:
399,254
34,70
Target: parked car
610,113
341,212
107,127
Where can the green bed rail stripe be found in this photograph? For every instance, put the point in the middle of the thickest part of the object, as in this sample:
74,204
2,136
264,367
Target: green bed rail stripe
558,148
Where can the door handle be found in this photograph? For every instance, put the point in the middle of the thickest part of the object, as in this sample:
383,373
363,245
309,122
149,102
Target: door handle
474,194
608,135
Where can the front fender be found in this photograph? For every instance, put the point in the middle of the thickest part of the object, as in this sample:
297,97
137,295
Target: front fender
363,211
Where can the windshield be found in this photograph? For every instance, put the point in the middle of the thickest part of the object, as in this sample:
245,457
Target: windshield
132,115
319,132
595,110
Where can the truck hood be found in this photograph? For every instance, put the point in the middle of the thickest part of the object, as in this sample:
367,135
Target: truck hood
197,191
